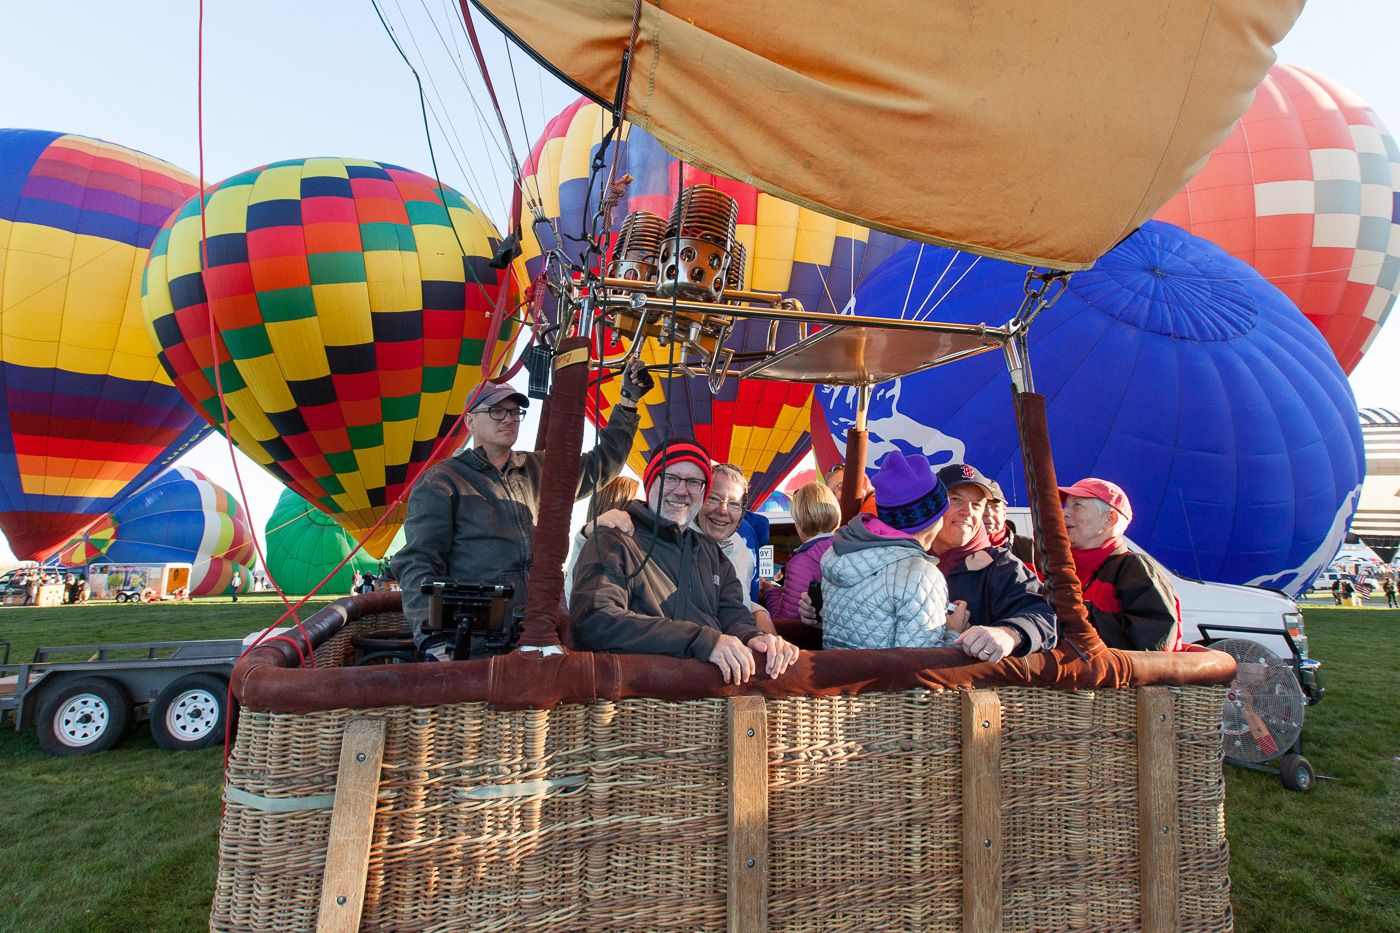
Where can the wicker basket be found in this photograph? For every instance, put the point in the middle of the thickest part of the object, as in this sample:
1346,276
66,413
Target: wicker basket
1017,808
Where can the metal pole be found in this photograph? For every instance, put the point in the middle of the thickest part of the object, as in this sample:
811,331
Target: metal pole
857,439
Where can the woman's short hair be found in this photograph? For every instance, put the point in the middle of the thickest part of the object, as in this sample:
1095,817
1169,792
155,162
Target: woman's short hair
734,473
1119,523
615,494
814,510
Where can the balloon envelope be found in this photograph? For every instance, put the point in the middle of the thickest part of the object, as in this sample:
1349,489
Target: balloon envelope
1305,190
303,545
801,478
179,517
351,311
1169,368
1041,134
88,413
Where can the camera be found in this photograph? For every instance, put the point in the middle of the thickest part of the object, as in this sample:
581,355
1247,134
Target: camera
469,619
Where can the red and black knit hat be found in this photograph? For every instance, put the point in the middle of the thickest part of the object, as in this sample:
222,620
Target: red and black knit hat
677,450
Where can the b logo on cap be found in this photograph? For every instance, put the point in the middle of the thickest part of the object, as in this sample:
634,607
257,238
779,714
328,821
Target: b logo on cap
968,472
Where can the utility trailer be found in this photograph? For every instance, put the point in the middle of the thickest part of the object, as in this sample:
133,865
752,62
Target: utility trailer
83,698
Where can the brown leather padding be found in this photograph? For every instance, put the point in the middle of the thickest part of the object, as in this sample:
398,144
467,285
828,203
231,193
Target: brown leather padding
544,613
1051,538
857,443
268,678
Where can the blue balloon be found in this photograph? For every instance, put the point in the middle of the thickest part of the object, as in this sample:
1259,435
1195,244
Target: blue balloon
1170,368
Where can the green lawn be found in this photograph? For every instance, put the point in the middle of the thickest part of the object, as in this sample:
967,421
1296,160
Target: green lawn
1329,859
126,840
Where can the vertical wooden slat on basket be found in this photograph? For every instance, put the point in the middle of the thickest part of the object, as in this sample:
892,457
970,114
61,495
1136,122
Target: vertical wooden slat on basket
1157,817
352,823
748,815
981,793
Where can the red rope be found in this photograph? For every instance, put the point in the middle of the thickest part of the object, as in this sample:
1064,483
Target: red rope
213,336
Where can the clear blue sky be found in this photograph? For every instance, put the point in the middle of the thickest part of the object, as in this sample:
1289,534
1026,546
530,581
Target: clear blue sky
314,77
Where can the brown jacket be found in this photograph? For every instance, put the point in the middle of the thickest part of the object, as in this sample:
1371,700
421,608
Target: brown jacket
682,599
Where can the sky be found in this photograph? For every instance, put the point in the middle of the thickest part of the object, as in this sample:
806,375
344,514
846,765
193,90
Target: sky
315,77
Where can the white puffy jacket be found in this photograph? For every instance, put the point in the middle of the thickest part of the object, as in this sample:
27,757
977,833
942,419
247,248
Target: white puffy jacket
881,590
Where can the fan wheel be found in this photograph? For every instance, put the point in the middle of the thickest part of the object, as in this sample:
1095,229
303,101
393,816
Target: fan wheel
1262,714
1296,772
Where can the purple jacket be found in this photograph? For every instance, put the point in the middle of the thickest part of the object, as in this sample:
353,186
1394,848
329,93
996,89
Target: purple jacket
804,566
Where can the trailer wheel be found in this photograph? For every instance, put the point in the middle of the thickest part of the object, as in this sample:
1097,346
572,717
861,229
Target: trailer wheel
190,713
84,716
1296,772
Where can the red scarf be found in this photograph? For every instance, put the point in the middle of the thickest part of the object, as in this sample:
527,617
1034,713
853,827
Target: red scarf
1087,563
998,539
953,559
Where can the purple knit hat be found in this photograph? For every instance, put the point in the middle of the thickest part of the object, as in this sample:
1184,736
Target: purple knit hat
908,496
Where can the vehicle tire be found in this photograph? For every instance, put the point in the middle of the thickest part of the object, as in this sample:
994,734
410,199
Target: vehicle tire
190,713
121,597
83,716
1296,772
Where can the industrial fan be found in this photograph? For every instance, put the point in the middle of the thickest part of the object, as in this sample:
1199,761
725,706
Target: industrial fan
1263,713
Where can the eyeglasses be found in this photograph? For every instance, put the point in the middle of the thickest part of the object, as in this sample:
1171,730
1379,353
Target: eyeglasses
506,414
692,485
733,506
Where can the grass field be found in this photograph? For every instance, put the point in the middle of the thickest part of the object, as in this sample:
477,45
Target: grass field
126,840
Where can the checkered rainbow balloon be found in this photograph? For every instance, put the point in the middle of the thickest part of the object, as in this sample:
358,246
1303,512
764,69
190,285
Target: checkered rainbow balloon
350,316
1306,189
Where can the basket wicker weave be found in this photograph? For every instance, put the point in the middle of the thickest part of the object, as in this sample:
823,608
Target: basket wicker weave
614,815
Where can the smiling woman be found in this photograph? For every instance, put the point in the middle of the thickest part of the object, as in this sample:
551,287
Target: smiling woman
724,506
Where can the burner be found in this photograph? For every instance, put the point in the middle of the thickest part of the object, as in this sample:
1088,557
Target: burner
695,252
734,278
638,242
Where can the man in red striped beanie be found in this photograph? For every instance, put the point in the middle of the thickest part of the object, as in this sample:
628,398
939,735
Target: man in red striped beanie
667,588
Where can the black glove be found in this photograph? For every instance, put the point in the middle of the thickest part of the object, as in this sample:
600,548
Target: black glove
505,253
636,382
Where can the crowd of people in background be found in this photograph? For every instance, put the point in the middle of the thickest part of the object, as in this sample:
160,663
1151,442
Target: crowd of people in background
75,586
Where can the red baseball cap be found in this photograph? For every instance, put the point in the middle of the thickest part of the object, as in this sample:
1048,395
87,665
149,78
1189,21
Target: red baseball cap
1104,491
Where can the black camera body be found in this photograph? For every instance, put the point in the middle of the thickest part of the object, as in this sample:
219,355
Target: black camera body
469,618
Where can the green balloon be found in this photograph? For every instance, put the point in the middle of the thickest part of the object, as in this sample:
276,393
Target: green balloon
304,544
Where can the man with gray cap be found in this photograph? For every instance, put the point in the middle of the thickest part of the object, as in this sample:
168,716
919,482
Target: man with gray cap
472,517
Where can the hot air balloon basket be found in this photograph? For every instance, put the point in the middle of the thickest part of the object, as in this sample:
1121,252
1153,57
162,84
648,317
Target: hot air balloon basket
1024,807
